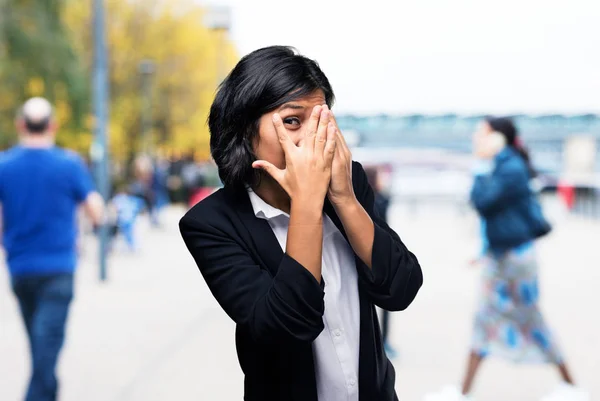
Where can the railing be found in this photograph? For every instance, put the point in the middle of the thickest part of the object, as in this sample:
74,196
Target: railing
586,202
423,177
544,135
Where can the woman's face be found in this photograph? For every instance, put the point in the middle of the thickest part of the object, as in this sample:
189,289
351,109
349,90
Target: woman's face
486,142
481,133
295,115
483,129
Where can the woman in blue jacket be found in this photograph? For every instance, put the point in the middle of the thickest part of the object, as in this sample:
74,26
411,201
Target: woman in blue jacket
508,322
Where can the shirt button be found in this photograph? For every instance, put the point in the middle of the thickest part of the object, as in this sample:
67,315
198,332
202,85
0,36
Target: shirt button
352,382
337,333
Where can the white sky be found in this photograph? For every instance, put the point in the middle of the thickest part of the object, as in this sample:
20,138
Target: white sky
436,56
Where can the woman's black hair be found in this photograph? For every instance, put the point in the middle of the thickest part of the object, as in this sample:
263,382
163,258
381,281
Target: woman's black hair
507,128
261,82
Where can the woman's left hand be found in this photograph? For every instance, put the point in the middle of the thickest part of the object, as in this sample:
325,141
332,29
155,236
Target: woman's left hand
487,146
340,187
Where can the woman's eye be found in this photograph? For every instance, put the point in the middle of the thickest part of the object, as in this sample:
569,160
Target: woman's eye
295,121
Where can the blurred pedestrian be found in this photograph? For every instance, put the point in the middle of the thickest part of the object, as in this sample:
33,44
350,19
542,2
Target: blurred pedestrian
291,247
41,187
125,208
508,323
192,178
143,182
159,188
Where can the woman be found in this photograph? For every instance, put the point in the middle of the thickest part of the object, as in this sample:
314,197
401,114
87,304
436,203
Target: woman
508,323
291,247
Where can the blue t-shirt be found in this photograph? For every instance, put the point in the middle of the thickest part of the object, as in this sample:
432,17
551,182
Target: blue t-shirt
40,190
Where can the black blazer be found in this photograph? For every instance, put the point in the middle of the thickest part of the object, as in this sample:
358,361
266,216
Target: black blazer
278,305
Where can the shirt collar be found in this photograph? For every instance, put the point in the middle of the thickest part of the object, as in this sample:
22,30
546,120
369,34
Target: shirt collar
262,209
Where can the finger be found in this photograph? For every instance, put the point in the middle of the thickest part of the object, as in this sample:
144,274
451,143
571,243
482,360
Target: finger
337,127
330,145
341,137
339,150
284,139
332,118
322,132
342,145
342,141
270,169
311,128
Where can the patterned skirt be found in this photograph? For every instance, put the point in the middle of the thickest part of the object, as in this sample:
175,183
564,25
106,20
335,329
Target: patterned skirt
509,323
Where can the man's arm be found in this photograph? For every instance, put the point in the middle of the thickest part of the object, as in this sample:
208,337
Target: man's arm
85,194
93,205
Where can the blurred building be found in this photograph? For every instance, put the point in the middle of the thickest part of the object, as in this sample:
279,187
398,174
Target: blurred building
544,135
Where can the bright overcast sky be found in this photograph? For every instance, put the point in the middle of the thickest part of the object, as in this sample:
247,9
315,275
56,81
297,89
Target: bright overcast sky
436,56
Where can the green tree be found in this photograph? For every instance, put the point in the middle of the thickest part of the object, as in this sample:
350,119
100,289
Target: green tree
37,58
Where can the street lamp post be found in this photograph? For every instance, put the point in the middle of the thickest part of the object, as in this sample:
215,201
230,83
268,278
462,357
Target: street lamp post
218,19
146,70
99,151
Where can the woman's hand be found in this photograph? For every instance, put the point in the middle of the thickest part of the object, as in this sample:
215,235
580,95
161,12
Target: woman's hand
305,179
307,166
340,189
486,146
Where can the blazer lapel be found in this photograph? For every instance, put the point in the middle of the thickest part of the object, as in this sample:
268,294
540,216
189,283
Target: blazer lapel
258,231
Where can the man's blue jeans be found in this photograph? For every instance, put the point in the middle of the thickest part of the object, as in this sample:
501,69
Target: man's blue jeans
44,303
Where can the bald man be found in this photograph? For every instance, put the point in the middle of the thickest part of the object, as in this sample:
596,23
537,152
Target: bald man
41,187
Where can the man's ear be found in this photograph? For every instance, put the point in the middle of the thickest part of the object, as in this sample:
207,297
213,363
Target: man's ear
52,127
20,125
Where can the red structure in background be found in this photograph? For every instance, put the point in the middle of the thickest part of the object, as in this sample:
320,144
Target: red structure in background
200,194
566,192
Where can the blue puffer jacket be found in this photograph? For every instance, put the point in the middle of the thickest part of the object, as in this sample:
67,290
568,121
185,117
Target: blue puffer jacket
502,199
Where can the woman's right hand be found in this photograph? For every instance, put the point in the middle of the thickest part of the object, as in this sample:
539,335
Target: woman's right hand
307,170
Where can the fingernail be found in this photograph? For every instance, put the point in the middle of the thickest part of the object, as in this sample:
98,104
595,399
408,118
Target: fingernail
276,117
326,107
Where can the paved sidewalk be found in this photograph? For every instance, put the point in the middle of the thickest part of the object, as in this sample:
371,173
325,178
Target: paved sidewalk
153,332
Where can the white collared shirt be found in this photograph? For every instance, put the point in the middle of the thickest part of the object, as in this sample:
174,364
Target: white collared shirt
335,351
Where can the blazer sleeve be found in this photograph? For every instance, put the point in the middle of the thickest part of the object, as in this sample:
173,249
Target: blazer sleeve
492,193
286,307
395,277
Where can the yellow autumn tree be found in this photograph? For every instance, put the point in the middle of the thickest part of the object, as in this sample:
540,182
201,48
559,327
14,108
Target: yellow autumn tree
186,57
